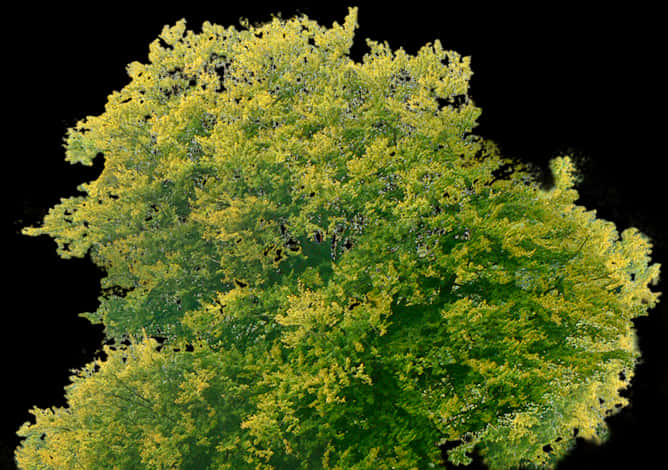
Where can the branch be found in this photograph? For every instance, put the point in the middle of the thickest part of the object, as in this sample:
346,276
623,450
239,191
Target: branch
580,248
561,278
148,404
143,406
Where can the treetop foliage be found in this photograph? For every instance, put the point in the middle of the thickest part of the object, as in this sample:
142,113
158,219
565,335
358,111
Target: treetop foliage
359,277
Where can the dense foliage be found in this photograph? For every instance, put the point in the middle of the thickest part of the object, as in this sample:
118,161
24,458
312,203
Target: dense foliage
346,276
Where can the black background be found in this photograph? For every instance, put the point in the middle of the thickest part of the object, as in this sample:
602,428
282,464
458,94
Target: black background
550,80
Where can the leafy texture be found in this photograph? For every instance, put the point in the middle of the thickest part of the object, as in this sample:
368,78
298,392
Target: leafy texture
357,278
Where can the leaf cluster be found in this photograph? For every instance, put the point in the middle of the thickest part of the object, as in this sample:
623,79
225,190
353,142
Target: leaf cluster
343,275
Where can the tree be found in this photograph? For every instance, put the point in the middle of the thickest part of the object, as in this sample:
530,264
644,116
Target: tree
346,276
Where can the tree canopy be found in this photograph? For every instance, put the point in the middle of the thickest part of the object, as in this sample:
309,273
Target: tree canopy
345,275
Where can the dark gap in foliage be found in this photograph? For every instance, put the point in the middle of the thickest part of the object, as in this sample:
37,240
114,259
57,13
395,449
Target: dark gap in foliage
279,255
164,44
456,101
116,291
292,244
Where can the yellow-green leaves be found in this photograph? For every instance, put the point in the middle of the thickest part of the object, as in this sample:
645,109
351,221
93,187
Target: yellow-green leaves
345,276
139,408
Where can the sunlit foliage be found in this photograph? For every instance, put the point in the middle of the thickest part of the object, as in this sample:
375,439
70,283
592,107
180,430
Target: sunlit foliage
359,277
